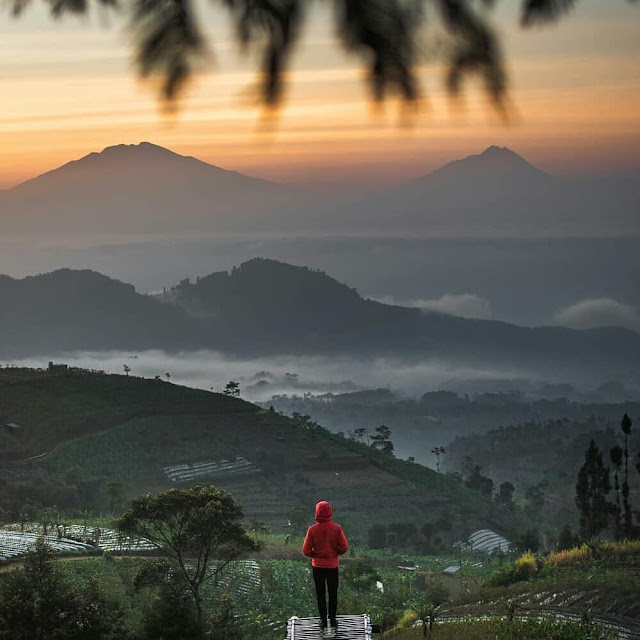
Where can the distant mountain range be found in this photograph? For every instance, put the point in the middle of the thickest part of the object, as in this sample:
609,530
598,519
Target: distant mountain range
139,189
266,307
146,190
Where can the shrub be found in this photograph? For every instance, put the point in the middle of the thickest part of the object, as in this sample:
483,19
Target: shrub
522,569
525,566
407,619
622,549
569,556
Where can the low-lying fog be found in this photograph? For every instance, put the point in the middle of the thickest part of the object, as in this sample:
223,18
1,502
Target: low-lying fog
262,378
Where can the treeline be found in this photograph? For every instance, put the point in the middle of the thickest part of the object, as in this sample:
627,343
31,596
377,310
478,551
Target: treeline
544,462
438,416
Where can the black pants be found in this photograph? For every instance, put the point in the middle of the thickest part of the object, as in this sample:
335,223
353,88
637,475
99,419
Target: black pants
328,577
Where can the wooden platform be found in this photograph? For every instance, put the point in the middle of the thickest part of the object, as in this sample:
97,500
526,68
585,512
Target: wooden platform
349,628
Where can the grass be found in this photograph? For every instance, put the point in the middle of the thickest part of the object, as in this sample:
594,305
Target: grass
602,578
53,409
497,629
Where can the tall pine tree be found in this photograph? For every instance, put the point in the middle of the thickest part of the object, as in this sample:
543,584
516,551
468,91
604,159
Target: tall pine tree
625,425
616,460
592,488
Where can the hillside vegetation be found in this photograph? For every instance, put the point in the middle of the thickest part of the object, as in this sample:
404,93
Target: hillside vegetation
265,307
438,416
97,430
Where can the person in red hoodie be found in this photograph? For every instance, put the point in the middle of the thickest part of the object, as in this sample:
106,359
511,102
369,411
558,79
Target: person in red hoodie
324,542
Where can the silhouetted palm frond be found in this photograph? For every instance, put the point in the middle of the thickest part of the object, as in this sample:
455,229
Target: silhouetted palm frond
475,49
276,22
383,33
167,42
542,11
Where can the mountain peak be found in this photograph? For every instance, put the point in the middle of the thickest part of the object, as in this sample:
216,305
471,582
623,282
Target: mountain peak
494,151
140,148
500,162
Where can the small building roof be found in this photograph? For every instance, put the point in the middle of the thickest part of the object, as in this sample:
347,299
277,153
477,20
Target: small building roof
487,540
451,570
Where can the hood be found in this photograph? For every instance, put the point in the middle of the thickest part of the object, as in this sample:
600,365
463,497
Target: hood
323,512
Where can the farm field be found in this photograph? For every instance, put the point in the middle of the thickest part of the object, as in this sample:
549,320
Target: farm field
262,592
82,433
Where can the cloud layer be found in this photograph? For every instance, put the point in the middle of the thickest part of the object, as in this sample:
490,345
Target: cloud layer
465,305
211,371
599,312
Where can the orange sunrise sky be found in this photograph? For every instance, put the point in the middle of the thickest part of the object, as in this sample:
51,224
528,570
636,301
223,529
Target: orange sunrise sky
68,88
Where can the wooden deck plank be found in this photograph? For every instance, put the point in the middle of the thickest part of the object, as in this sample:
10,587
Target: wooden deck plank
349,628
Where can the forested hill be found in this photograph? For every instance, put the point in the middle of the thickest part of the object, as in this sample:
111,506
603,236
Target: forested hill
74,310
266,307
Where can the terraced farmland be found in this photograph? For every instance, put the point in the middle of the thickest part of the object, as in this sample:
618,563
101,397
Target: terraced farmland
74,537
14,544
196,471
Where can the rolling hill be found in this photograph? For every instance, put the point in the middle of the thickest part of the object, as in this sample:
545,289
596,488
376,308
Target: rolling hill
96,428
265,307
269,307
74,310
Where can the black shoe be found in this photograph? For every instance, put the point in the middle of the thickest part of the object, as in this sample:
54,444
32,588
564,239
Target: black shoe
334,624
323,623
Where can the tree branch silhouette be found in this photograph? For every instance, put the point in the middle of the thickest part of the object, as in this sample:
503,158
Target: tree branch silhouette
169,44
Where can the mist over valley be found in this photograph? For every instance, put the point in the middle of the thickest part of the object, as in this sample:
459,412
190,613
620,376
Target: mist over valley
434,359
299,298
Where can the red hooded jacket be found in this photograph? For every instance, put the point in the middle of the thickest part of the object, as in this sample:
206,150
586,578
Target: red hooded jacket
325,541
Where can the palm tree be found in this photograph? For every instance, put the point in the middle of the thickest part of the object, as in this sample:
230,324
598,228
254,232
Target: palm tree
169,42
438,451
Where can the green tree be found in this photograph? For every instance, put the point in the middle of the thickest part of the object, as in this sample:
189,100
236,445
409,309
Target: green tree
257,527
191,527
100,614
377,536
38,602
359,434
535,498
592,488
382,440
427,612
477,482
616,460
566,539
360,576
169,612
232,388
625,425
505,495
116,493
528,541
